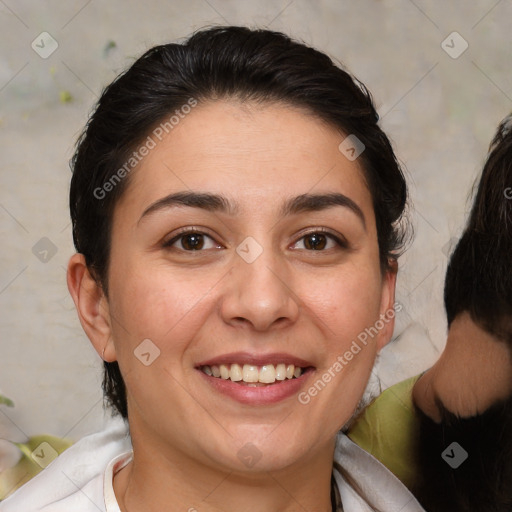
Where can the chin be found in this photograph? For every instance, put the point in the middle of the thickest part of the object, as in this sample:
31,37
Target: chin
251,460
272,450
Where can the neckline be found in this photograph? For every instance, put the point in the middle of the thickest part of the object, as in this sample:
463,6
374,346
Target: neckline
336,504
113,467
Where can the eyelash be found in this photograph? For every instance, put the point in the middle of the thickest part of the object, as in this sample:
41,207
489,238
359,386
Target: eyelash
342,243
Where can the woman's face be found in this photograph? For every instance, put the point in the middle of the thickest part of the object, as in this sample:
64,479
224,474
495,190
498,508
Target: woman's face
282,268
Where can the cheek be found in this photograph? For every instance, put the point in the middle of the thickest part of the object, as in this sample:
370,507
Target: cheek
348,301
155,305
346,311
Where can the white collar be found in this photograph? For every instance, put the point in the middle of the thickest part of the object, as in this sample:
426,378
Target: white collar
113,467
365,484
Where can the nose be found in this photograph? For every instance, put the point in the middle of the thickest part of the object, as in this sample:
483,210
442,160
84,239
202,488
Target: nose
260,294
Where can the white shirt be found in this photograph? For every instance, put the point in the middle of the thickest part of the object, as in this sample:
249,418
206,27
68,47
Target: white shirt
81,479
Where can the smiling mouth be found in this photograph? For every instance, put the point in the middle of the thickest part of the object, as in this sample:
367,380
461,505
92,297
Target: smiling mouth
253,375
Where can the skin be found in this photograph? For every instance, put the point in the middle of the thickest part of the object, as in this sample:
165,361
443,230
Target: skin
197,305
473,357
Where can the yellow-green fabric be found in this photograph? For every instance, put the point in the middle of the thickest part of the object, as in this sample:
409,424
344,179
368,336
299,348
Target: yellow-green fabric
388,429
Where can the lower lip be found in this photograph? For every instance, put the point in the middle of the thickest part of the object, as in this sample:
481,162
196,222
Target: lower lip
261,395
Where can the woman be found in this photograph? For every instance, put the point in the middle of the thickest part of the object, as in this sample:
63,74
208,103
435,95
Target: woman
236,212
234,208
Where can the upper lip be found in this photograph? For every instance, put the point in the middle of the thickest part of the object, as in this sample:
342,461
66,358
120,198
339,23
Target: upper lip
256,359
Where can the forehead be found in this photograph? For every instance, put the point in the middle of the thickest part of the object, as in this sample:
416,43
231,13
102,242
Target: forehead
259,155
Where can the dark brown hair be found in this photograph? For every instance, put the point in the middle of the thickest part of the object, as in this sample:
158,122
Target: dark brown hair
479,274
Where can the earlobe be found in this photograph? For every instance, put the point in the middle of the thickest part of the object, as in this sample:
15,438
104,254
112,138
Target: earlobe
387,310
92,307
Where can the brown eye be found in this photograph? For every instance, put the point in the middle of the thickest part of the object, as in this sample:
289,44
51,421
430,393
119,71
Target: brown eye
192,242
315,241
320,241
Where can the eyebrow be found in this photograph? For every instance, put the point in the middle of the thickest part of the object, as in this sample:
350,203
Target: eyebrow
218,203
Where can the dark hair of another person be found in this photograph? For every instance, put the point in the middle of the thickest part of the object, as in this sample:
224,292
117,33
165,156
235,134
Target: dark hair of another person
237,63
479,275
479,281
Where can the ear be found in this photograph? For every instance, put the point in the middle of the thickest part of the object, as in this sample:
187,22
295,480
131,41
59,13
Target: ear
387,305
92,307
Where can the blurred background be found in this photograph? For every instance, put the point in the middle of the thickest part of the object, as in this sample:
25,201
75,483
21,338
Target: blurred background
440,74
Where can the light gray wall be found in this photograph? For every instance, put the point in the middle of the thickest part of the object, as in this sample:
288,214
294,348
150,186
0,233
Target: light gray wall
440,112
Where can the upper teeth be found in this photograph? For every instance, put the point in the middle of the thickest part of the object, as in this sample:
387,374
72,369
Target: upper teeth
267,373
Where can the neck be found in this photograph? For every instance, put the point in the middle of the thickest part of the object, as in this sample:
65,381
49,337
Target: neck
163,478
473,373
